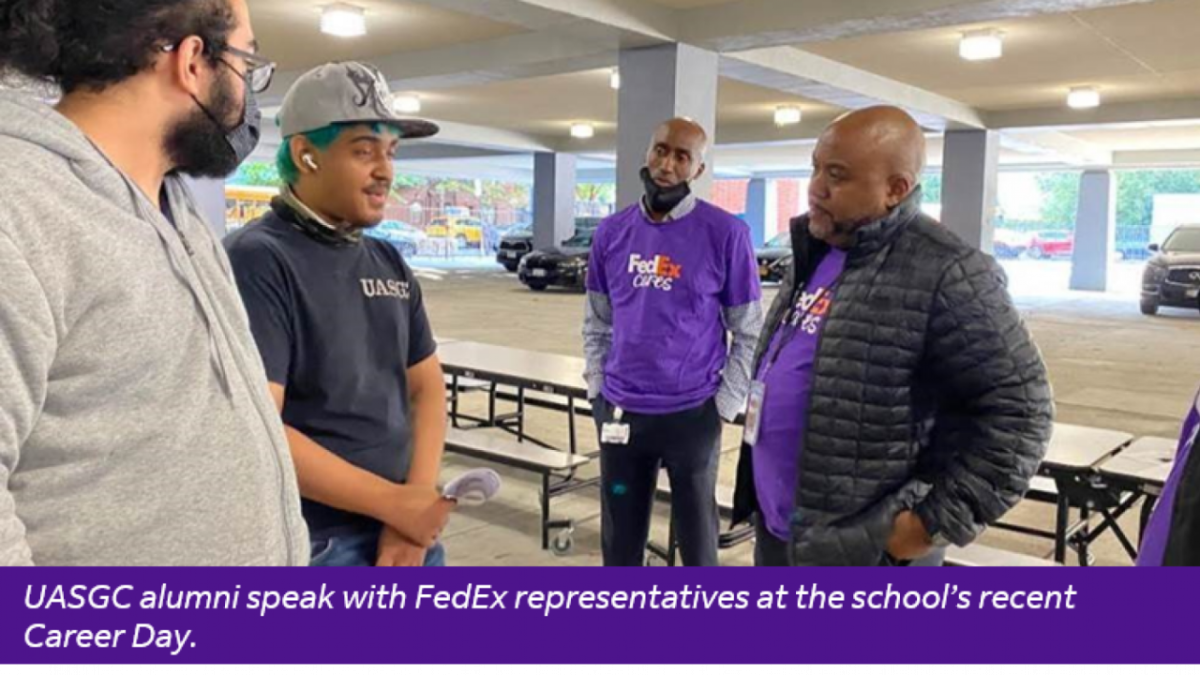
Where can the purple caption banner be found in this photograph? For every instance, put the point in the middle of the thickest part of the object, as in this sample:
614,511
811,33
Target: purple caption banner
1116,616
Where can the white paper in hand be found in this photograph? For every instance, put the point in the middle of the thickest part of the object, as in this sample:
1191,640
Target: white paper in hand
473,488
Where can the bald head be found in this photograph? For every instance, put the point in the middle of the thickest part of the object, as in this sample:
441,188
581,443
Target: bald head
866,163
893,135
683,129
676,153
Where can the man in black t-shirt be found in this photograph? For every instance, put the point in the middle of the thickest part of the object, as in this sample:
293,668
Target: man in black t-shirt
341,326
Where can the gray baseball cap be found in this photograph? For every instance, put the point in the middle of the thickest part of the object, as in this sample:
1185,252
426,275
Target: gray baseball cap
347,92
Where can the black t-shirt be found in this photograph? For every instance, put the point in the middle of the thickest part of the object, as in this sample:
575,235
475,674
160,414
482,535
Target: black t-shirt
338,327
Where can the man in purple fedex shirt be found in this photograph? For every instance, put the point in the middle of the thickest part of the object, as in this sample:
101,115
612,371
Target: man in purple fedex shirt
1173,535
899,403
668,278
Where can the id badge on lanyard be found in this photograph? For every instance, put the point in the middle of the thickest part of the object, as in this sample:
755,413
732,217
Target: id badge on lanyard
758,394
615,432
758,388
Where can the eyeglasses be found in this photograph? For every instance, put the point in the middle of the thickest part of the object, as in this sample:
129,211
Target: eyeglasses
259,71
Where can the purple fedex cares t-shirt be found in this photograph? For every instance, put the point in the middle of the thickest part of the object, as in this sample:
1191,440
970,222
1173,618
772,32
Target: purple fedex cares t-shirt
667,283
786,372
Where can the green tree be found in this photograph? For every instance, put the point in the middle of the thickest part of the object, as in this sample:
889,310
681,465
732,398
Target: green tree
502,193
1136,191
257,174
604,193
403,181
444,185
1060,197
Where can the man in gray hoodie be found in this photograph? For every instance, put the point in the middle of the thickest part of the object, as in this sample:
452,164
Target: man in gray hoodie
136,426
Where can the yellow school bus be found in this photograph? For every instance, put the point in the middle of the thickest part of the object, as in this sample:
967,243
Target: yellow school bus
466,231
244,204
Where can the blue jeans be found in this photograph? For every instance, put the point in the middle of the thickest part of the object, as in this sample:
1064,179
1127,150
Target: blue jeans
361,549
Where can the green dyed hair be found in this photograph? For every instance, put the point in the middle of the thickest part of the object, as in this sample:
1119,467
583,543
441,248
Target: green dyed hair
321,139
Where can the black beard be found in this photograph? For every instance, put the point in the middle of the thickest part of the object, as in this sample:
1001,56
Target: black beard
196,146
848,228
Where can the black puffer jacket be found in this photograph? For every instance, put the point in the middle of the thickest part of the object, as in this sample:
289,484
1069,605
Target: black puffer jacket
928,394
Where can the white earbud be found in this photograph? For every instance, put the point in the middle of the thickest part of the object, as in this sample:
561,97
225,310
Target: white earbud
308,161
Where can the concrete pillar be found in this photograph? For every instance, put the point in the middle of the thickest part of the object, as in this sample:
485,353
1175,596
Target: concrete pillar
1095,231
553,198
969,165
762,209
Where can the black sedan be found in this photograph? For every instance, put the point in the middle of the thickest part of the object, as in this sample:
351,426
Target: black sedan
563,266
514,245
1172,276
775,258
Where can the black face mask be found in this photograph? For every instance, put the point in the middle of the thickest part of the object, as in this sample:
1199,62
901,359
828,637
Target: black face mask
661,200
203,146
240,140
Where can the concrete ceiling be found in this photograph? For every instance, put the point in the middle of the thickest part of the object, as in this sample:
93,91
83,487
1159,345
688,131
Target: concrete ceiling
1132,53
289,32
517,73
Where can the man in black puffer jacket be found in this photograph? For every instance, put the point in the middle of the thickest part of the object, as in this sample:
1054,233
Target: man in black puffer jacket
900,403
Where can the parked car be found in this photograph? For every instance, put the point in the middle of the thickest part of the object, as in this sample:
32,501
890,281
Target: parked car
771,254
1053,244
514,245
584,223
1133,250
406,238
566,265
1172,276
518,242
1010,243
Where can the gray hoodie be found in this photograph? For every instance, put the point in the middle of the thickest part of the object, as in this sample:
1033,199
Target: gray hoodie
136,427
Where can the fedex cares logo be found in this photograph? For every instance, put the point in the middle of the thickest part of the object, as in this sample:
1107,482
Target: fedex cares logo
657,272
811,309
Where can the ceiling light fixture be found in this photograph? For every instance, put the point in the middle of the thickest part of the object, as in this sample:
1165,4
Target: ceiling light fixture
342,20
582,130
614,80
407,105
1083,97
787,115
981,45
